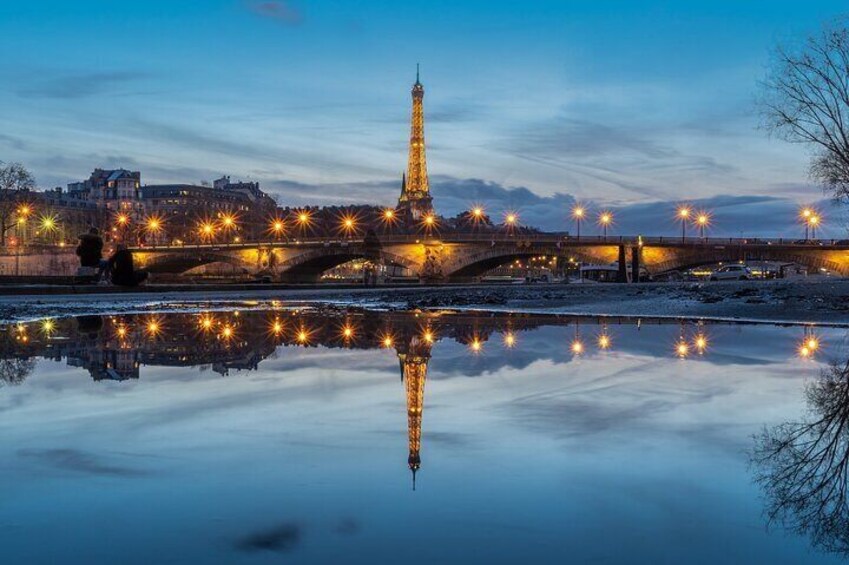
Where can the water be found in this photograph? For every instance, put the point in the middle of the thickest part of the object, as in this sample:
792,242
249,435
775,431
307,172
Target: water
290,436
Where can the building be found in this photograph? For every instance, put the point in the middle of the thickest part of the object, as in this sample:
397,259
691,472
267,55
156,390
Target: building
183,207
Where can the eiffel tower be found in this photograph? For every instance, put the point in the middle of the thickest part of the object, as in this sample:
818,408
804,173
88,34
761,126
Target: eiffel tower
415,201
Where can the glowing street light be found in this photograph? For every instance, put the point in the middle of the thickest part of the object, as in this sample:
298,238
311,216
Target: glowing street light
277,227
577,347
511,220
207,230
304,219
477,214
429,222
809,217
604,342
229,222
684,213
703,222
578,214
682,348
814,221
348,224
605,219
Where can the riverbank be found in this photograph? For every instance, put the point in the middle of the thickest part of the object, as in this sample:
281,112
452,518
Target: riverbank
824,301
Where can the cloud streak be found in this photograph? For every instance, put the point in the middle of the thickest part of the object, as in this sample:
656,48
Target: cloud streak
279,11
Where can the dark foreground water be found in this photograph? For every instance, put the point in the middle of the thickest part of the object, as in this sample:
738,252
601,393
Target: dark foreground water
294,437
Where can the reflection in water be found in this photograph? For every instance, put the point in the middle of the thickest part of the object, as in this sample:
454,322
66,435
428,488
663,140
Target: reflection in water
803,467
116,347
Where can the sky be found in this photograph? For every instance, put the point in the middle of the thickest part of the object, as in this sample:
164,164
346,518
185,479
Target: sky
632,105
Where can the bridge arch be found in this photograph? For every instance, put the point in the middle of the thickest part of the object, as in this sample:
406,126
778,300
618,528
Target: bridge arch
683,259
178,263
309,265
475,264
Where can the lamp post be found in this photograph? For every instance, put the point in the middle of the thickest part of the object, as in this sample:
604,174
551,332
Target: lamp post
578,213
684,215
805,214
703,221
511,220
604,220
814,221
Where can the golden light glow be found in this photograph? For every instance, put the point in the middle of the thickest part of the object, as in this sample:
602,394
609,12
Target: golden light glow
605,218
387,341
578,212
277,327
428,336
805,352
207,229
511,218
49,223
509,340
229,221
476,345
48,326
682,349
577,347
122,219
700,342
814,220
812,343
227,331
604,342
303,336
276,227
684,212
347,332
207,323
429,221
121,331
153,328
477,212
806,213
153,224
24,210
389,214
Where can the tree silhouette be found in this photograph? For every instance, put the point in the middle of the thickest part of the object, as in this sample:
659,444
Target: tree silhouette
806,100
803,467
15,371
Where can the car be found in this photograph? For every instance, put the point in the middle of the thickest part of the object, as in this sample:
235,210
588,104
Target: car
732,273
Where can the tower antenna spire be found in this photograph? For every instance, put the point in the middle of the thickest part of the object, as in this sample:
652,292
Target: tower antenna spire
417,74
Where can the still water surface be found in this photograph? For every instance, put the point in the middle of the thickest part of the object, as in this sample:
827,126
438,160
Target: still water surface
357,437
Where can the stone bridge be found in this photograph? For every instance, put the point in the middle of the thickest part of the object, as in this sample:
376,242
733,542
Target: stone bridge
465,257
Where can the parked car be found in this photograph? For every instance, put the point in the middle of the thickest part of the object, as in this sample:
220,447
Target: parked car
732,273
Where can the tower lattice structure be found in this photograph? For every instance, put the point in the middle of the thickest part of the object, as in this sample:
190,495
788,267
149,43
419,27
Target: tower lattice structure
414,366
415,197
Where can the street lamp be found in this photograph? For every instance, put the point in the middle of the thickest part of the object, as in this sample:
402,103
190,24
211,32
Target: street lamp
511,220
814,221
476,214
578,213
207,230
304,220
153,226
684,215
604,220
429,223
805,215
703,221
277,227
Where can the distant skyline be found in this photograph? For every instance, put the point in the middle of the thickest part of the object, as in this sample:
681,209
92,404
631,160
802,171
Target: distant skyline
630,105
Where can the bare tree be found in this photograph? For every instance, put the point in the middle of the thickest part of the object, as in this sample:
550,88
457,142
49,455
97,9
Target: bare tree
15,181
806,100
15,370
803,467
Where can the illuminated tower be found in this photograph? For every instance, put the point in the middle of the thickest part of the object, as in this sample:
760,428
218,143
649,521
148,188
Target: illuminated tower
415,197
414,367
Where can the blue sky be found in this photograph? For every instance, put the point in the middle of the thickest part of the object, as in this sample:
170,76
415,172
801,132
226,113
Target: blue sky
539,103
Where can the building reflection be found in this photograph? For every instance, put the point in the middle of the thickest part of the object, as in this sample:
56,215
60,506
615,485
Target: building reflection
117,348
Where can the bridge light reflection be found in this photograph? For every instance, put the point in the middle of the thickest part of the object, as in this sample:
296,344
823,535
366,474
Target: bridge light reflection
604,342
700,342
577,347
509,340
682,348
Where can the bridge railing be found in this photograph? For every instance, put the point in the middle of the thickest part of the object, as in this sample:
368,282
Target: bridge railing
548,238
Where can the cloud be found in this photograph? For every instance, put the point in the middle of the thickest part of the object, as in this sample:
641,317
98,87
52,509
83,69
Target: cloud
280,539
13,142
79,461
78,86
279,11
760,216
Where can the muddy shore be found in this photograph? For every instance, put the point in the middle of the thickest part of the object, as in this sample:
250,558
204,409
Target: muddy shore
815,300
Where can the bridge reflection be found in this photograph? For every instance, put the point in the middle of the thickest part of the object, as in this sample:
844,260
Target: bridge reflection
118,347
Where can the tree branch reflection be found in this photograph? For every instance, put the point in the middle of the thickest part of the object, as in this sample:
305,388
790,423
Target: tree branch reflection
803,467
